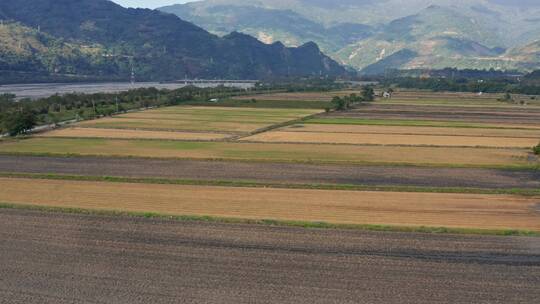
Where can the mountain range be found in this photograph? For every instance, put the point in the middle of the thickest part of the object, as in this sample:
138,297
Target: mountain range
376,35
100,39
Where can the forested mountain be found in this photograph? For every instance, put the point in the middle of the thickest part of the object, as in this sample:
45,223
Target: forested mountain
100,38
373,35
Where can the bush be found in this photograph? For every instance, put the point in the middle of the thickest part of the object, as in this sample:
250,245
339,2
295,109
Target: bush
536,150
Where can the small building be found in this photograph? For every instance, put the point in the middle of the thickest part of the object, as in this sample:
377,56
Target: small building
214,100
387,95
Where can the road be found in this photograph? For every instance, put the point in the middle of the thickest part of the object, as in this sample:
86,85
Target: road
61,258
274,172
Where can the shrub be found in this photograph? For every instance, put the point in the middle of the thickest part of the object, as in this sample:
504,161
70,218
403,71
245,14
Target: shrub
536,150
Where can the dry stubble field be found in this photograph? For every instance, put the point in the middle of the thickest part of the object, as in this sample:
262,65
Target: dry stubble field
341,207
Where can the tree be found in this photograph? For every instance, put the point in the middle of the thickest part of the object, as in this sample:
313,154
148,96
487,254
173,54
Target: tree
536,150
20,122
368,93
508,97
340,104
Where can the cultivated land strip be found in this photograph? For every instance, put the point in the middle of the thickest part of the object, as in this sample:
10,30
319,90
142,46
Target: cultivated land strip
302,153
77,132
284,173
393,139
61,258
464,211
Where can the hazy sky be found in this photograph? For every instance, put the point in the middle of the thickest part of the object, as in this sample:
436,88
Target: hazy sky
149,3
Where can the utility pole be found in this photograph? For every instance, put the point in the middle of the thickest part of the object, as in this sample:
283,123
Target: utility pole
117,107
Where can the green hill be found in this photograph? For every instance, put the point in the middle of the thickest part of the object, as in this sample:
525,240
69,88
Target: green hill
360,33
102,39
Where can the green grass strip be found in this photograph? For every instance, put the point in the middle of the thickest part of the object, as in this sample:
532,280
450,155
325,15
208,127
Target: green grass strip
276,223
255,184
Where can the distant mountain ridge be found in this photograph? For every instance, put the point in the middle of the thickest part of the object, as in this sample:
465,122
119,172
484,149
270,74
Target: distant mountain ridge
100,38
369,34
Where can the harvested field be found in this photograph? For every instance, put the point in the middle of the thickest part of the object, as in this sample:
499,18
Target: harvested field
218,119
520,116
283,173
75,132
298,96
76,259
340,207
447,156
411,130
392,139
415,123
172,125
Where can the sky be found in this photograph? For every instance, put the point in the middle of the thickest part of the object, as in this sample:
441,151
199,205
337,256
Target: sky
149,3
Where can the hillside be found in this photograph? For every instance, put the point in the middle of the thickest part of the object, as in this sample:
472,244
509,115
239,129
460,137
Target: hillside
98,37
370,34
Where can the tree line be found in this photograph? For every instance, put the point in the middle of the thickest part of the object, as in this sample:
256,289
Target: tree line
503,85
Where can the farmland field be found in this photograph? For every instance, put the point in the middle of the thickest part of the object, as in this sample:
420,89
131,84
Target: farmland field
393,139
77,132
314,153
412,130
429,198
342,207
214,119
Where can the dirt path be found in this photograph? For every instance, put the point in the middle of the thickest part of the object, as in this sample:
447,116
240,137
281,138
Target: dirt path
57,258
274,172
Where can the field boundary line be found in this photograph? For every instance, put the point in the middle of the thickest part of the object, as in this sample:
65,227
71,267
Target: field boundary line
256,184
276,126
276,223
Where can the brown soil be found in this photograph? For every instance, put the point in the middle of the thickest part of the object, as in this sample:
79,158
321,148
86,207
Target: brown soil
61,259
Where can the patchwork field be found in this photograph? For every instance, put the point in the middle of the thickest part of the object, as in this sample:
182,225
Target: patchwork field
345,207
524,116
393,139
405,136
409,149
315,153
298,96
413,130
407,97
77,132
203,119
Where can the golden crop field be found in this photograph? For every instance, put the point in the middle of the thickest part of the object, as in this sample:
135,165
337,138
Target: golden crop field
204,119
316,153
412,130
343,207
75,132
172,125
393,139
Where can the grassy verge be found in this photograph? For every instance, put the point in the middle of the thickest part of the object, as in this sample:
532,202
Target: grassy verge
271,222
254,184
408,123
